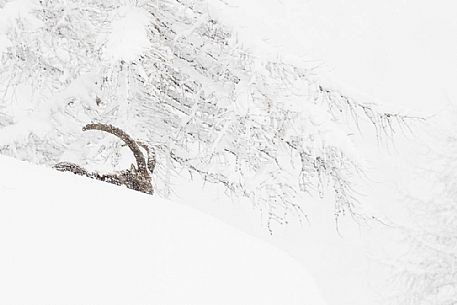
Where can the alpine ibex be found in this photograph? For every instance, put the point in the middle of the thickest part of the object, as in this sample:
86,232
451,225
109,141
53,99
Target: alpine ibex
137,178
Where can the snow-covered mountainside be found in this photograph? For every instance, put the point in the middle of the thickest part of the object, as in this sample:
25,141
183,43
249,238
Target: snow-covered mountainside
282,118
71,240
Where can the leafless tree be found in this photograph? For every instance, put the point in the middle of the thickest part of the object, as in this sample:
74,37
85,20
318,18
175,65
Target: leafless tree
263,126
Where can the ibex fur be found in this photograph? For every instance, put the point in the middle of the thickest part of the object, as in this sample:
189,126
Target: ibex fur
137,178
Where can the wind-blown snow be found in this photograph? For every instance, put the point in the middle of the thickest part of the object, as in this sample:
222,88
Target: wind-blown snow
70,240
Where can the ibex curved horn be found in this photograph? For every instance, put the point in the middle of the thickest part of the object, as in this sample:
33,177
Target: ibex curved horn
138,179
132,144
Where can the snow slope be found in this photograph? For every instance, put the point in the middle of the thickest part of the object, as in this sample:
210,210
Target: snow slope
70,240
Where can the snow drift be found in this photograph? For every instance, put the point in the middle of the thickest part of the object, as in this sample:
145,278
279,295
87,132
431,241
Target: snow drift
70,240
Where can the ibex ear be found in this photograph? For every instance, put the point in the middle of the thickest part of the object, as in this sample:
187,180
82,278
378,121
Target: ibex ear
132,168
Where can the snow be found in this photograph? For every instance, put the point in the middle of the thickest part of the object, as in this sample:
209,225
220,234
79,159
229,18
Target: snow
4,43
71,240
398,52
9,14
16,10
128,37
13,10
